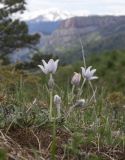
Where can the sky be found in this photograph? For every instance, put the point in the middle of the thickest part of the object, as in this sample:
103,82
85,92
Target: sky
76,7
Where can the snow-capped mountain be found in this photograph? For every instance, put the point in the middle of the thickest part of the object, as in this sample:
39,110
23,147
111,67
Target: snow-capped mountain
47,15
46,22
53,15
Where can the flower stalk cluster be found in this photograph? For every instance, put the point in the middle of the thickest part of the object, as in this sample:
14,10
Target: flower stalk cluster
76,101
87,75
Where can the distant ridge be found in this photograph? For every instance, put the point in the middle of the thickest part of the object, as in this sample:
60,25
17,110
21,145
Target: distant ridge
61,37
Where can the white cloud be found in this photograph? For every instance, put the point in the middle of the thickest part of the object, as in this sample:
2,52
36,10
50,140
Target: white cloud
112,1
116,10
80,7
34,14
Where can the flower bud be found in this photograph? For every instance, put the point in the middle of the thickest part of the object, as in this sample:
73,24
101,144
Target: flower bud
80,103
57,100
76,79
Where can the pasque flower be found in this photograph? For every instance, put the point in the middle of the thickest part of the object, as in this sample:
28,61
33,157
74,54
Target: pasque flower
76,79
57,99
49,67
80,103
88,74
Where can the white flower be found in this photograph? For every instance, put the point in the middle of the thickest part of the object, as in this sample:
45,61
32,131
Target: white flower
49,67
57,99
88,73
80,103
76,79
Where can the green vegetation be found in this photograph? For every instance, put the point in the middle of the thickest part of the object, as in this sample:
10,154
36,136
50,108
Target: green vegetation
2,154
94,132
110,68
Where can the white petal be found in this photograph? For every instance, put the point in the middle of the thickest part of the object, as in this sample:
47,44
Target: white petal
94,77
88,70
55,65
43,69
51,65
44,63
83,71
93,71
88,73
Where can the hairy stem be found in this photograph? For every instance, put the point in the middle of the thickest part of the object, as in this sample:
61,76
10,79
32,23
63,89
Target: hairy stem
83,83
53,147
50,106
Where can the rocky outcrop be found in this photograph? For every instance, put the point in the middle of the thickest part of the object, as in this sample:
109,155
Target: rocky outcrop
91,30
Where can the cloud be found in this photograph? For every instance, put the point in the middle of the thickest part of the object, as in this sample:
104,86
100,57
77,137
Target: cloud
79,6
116,10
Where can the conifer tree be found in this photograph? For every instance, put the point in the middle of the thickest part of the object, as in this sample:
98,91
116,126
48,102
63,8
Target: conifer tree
13,32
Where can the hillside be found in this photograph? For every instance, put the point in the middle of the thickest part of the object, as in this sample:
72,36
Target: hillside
41,27
95,32
62,37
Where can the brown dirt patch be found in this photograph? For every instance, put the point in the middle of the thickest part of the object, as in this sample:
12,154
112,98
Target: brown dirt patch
28,139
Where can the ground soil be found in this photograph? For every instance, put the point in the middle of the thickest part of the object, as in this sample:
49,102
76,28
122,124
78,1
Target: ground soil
40,139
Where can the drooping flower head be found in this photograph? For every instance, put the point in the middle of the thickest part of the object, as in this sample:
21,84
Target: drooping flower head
80,103
57,99
57,102
76,79
88,74
49,67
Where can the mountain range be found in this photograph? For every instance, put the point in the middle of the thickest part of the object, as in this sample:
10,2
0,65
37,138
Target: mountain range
48,21
61,33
